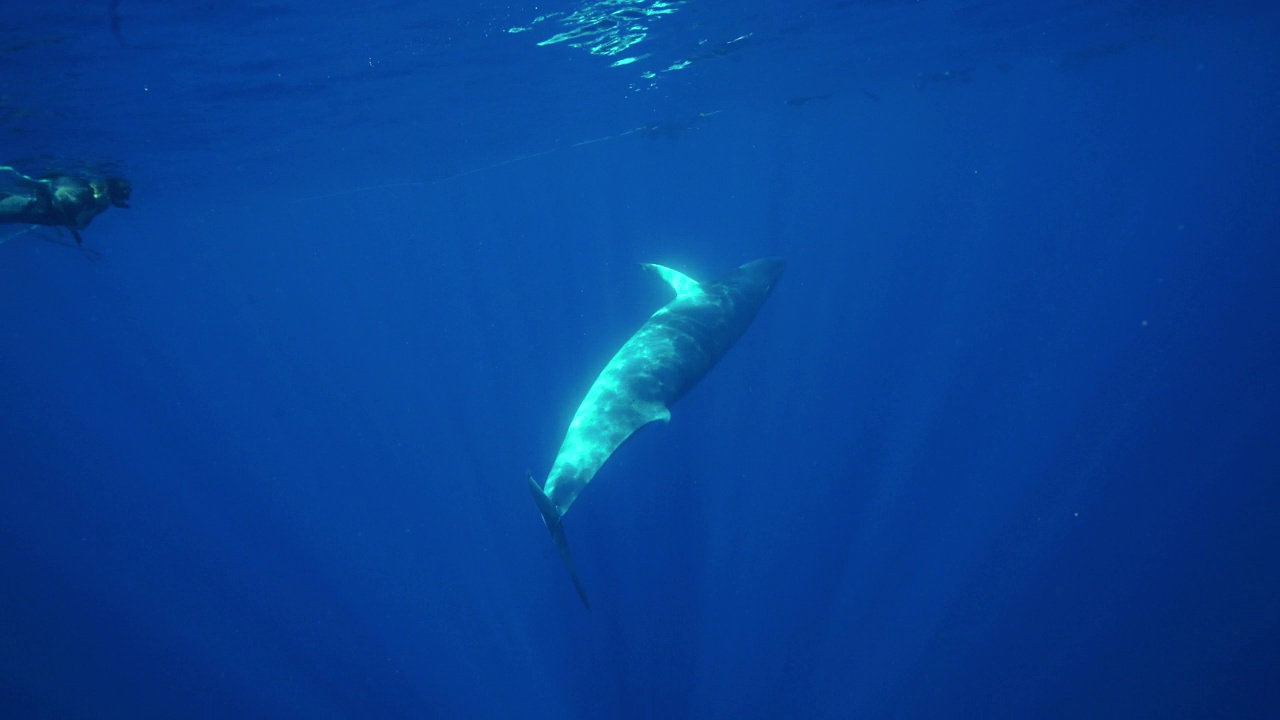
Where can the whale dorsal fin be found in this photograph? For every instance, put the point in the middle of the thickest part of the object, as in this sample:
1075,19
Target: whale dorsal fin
681,283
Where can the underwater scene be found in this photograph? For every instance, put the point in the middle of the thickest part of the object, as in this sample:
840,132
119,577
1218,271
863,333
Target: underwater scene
639,359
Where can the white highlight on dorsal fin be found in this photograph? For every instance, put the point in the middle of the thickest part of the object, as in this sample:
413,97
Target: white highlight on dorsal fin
681,283
659,413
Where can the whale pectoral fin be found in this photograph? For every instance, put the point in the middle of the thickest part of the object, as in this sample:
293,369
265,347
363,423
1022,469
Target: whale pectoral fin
681,283
552,518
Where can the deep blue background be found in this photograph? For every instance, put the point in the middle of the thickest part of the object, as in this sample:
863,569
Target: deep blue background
1002,443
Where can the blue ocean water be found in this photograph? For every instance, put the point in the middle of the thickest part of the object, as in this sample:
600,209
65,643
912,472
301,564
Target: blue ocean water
1002,443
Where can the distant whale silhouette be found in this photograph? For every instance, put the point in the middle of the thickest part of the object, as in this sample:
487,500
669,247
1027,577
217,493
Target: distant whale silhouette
666,357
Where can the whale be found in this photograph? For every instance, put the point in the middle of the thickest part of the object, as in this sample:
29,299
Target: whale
661,362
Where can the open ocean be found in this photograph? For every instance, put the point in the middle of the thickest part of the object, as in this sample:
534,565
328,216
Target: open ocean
1003,442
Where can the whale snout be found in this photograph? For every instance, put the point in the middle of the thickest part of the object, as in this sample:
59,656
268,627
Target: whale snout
766,271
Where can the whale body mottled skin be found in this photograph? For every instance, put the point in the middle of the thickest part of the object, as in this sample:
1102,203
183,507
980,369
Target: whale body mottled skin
666,357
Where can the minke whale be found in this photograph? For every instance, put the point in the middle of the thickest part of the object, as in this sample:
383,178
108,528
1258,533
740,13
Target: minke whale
666,357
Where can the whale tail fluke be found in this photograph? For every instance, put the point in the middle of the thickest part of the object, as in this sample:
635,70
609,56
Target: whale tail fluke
551,516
